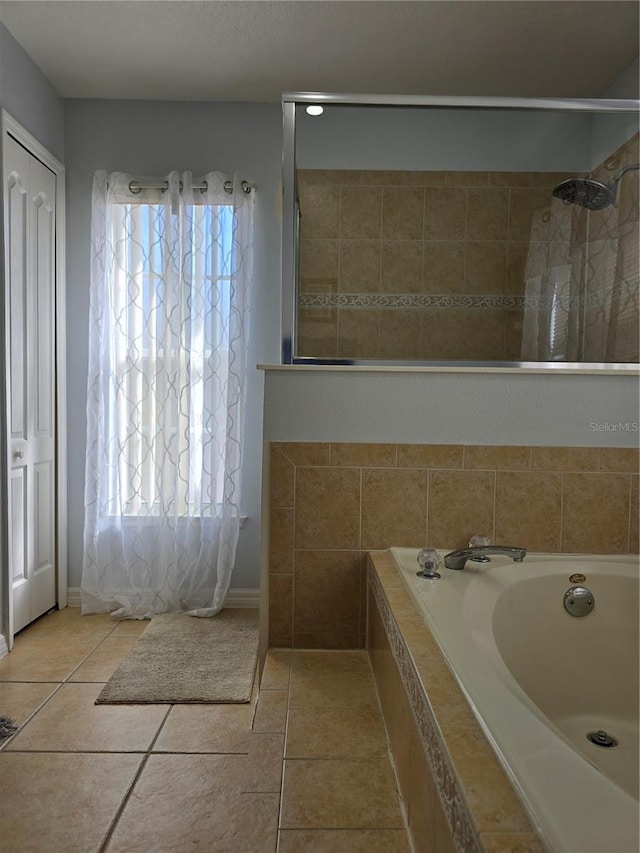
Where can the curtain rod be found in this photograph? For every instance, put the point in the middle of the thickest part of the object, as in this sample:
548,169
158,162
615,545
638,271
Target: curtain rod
136,186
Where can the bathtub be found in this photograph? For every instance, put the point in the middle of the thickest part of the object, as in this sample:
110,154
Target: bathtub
538,679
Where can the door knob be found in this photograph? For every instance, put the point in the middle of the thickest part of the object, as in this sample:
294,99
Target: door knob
17,454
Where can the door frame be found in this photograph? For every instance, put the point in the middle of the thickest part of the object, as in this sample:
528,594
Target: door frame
9,126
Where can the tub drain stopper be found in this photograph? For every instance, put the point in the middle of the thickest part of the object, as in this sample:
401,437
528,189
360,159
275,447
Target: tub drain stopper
601,738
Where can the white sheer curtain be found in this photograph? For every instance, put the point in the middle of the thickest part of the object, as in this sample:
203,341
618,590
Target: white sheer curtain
170,281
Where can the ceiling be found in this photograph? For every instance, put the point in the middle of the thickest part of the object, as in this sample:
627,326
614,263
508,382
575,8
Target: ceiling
253,51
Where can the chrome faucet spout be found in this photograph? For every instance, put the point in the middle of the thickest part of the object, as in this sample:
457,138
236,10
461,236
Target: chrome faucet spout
457,559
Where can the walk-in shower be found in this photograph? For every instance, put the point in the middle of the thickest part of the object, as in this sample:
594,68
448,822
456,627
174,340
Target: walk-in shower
432,231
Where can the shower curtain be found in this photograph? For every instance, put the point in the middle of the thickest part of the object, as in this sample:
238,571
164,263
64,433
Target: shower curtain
575,286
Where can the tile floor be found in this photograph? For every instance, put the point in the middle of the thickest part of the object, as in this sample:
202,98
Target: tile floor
303,768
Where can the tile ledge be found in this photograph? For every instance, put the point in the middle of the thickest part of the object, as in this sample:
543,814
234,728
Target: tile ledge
624,370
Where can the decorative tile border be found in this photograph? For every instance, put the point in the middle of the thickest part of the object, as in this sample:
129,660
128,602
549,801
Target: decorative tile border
455,809
627,289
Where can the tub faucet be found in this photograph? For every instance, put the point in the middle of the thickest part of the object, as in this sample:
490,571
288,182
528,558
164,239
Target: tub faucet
457,559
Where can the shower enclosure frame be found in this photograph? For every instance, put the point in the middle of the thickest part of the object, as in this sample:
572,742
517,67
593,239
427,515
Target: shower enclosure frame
290,220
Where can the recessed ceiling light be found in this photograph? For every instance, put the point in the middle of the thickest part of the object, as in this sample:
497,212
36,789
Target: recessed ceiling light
314,110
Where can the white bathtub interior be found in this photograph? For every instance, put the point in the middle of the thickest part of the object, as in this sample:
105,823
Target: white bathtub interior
539,679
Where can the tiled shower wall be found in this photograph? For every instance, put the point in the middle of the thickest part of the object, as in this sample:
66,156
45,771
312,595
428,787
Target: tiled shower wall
418,259
331,503
431,265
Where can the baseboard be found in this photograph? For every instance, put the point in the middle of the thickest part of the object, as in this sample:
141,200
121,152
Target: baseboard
235,598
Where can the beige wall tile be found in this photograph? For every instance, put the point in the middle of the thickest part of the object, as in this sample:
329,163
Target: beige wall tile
460,505
528,510
512,842
595,513
497,457
487,214
517,254
328,177
421,801
280,610
319,264
491,798
445,213
281,541
335,640
509,179
441,333
281,478
486,267
401,266
467,179
429,456
306,452
358,332
619,459
513,319
313,664
400,726
524,205
327,508
363,455
343,793
360,213
442,838
393,508
483,335
320,210
402,213
399,178
399,333
317,332
444,266
327,592
359,266
565,458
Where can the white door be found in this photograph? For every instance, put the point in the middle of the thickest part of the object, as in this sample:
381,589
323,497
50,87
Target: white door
30,190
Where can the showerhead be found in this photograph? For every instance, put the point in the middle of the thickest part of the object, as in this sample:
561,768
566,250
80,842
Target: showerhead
589,193
585,192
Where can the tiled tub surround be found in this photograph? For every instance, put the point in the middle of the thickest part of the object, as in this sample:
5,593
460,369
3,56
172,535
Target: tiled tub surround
539,707
456,793
331,503
432,265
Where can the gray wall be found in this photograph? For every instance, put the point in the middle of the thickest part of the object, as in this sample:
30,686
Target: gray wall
451,408
443,139
152,138
30,98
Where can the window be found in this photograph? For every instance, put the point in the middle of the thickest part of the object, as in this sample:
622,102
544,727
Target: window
169,306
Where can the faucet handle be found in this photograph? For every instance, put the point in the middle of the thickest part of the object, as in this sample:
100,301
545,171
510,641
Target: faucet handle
429,562
479,540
